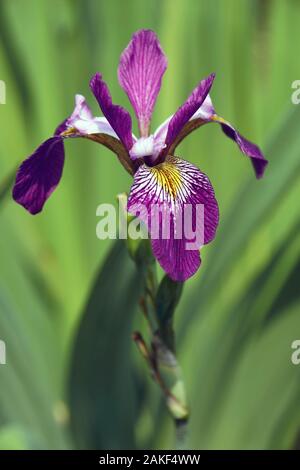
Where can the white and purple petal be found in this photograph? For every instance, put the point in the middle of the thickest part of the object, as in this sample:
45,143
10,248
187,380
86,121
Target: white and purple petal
141,68
61,128
143,147
206,114
83,122
81,110
176,189
118,117
96,125
39,175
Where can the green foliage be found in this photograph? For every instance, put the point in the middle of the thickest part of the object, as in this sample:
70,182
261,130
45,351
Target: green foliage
101,367
72,378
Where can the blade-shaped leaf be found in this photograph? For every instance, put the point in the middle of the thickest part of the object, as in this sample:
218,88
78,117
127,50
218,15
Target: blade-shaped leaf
102,391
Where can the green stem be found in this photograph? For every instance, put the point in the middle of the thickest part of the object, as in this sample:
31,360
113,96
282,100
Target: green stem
181,434
158,305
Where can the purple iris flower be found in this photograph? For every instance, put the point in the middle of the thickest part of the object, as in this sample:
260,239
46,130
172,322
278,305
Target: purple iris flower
160,177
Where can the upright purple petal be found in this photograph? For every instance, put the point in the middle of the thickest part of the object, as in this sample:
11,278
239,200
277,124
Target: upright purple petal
141,68
187,110
172,188
39,175
117,116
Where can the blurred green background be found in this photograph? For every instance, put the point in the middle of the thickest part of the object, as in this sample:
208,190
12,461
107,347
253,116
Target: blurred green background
73,379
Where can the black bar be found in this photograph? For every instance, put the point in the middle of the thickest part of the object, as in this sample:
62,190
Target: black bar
134,458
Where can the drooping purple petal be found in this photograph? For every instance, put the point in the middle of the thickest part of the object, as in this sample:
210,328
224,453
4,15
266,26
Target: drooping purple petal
141,68
177,203
206,114
187,110
39,175
61,128
118,117
258,160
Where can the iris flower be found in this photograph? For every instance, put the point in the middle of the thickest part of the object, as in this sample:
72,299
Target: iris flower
160,176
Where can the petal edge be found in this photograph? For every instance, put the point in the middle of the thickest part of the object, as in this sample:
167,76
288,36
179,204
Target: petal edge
141,68
170,187
39,175
118,117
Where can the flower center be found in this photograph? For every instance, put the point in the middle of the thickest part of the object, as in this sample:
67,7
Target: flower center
143,147
168,176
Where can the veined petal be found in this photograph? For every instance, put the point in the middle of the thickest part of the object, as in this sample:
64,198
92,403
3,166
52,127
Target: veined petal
96,125
186,111
141,68
166,198
118,117
83,122
206,114
205,111
39,175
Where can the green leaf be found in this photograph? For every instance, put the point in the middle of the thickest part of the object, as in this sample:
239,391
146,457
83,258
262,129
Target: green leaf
6,185
168,296
102,381
13,437
262,407
29,391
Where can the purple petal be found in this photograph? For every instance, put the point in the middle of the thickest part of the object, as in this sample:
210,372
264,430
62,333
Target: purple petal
83,123
117,116
61,128
179,264
141,68
206,110
258,160
187,110
81,112
39,175
206,114
173,187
